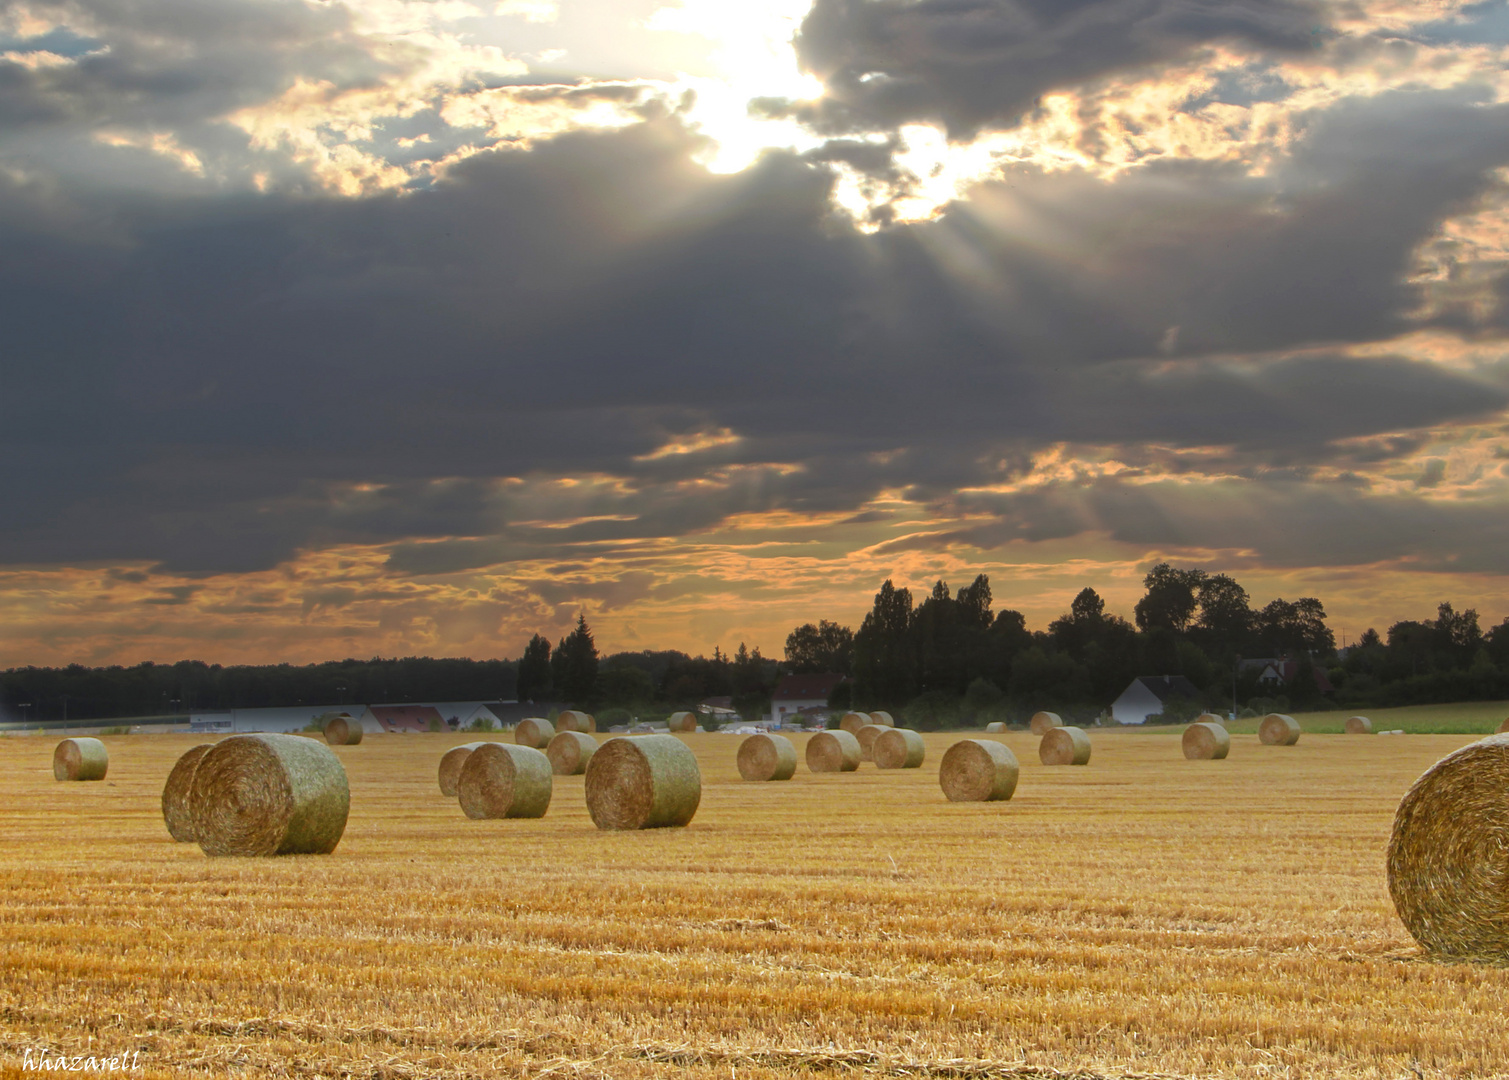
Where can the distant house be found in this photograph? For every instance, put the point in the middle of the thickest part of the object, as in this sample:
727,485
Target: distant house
461,715
400,719
798,693
1147,695
1277,673
296,718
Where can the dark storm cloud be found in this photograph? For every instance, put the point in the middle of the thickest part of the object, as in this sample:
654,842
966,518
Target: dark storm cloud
217,383
970,64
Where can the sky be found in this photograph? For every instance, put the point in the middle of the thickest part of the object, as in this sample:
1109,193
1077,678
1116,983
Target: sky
418,326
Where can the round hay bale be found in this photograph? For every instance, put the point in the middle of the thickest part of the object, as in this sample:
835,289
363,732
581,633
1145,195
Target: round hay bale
343,731
833,751
1448,856
1064,746
899,748
269,794
978,770
881,718
767,757
535,733
500,780
80,759
175,794
1504,727
853,721
683,721
1206,742
1210,718
995,727
649,782
450,767
867,736
1359,725
1042,721
575,720
1278,730
570,751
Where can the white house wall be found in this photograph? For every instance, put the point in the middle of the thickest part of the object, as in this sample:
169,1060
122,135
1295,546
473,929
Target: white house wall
1135,705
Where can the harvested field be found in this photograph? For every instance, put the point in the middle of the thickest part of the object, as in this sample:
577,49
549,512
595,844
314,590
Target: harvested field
856,925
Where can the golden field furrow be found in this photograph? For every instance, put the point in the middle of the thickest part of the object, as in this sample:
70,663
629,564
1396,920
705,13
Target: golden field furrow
1141,914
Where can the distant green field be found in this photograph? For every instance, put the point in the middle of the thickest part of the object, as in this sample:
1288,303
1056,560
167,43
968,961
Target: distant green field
1465,718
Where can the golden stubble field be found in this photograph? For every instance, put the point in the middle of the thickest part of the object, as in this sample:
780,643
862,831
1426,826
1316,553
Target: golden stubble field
1139,915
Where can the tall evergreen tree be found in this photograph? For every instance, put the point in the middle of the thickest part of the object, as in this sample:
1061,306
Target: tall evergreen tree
576,674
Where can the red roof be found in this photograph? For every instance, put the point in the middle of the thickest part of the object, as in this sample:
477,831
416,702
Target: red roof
807,687
396,718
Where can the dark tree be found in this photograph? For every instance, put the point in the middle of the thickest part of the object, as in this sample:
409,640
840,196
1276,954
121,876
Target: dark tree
1226,616
1300,627
1170,599
534,669
884,670
826,647
575,664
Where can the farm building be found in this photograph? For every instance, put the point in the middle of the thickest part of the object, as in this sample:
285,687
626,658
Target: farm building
296,718
798,693
1276,673
1146,696
402,719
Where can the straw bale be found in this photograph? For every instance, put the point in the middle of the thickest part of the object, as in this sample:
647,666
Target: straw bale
534,732
1504,727
978,770
683,721
853,721
1359,725
1278,730
995,727
343,731
1206,742
1064,746
450,767
570,751
882,718
1210,718
1042,721
867,736
899,748
269,794
504,780
175,794
575,720
833,751
767,757
1448,856
80,759
648,782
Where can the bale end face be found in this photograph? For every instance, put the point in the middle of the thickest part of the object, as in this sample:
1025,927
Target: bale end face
683,722
1278,730
1064,746
648,782
978,770
450,767
344,731
867,736
881,718
995,727
575,720
853,721
269,794
833,751
570,751
1359,725
1448,857
767,757
534,732
80,759
899,748
1206,742
500,780
1042,721
176,813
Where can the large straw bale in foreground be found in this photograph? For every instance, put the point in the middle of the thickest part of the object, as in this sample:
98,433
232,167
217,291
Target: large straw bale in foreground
500,780
175,794
450,767
1278,730
343,731
575,720
570,751
978,770
867,736
899,748
80,759
269,794
1206,742
833,751
853,721
995,727
1042,721
767,757
683,721
1359,725
535,732
648,782
882,718
1064,746
1448,857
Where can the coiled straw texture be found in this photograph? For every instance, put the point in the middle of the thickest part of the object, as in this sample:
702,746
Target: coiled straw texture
269,794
